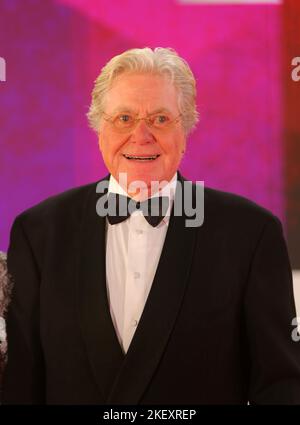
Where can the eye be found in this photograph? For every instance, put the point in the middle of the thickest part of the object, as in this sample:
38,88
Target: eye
123,119
160,120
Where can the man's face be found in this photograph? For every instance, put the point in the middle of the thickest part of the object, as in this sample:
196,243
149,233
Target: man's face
140,95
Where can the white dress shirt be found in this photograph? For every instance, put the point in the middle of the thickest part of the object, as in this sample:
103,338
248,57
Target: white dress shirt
133,249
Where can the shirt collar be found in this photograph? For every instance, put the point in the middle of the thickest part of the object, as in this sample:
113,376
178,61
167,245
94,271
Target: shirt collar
167,190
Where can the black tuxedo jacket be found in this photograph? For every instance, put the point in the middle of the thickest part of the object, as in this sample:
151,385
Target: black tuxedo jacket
216,327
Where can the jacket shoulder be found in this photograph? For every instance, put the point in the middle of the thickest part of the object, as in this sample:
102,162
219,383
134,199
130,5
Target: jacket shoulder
229,209
236,208
64,206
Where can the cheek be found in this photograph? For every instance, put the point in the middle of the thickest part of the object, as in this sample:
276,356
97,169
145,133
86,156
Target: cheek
104,143
175,146
101,144
111,146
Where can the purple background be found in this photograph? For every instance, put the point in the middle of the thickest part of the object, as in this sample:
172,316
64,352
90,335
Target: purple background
54,50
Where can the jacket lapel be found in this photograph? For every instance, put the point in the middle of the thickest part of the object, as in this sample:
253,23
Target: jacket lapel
103,348
122,379
159,314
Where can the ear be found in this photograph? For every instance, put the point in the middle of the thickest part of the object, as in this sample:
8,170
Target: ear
100,141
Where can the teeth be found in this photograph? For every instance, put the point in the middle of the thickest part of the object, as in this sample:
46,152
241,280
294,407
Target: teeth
141,158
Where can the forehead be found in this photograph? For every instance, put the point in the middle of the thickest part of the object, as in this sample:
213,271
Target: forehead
142,92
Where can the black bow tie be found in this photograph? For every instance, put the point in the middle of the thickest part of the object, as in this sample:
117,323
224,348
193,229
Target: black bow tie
120,207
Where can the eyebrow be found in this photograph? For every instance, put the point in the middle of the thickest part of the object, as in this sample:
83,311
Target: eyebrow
122,109
126,109
156,111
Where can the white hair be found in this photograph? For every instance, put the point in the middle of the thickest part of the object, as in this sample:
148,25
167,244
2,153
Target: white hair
161,61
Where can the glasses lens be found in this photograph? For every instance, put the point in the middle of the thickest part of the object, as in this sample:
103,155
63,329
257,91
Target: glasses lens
161,121
123,121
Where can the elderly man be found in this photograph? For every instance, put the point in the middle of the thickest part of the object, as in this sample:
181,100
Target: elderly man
140,308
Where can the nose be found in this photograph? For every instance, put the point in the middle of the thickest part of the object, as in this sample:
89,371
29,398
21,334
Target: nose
141,133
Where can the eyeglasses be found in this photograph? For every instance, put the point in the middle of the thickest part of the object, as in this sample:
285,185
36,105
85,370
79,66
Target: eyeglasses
125,122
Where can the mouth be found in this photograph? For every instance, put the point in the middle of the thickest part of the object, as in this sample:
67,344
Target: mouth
141,158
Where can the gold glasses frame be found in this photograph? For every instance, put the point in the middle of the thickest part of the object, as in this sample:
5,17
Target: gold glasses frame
148,120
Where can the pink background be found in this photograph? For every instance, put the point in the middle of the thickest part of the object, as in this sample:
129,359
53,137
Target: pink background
54,50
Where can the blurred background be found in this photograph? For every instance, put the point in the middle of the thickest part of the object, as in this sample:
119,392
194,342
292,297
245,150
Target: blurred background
241,52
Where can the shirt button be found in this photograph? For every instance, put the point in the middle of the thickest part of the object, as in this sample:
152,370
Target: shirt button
139,231
137,275
134,323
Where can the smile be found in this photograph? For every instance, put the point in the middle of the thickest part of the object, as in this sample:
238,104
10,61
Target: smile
141,158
